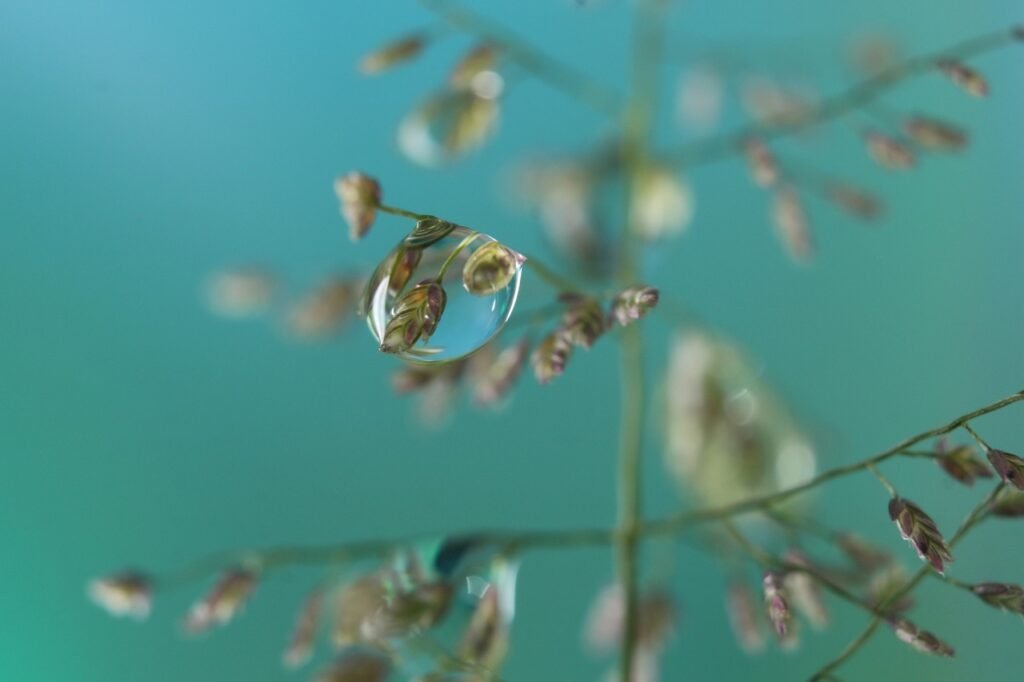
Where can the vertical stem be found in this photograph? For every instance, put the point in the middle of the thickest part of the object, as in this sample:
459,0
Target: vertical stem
647,40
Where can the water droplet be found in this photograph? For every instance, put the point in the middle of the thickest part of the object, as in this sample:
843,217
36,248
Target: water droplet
468,322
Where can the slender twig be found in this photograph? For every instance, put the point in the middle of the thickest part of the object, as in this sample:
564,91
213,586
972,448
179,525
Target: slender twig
976,515
400,212
977,439
280,557
542,66
857,97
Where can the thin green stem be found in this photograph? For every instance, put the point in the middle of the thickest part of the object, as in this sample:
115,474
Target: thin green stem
977,439
544,67
466,241
857,97
280,557
400,212
883,480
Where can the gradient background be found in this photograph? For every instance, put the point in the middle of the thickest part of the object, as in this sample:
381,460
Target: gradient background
144,144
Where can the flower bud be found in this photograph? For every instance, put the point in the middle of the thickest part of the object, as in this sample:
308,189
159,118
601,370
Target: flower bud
1001,596
583,322
764,169
777,606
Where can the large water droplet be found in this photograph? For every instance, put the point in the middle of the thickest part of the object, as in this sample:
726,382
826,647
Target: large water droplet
468,322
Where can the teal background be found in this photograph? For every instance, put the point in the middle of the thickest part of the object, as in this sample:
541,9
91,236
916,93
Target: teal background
144,144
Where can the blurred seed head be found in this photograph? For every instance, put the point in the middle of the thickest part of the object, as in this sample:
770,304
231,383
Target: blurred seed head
300,649
128,593
662,204
963,465
1001,596
792,226
1009,504
804,592
222,603
481,58
862,554
583,322
493,379
764,168
889,152
240,292
935,135
393,54
700,98
550,357
450,124
964,77
359,195
854,201
744,617
633,303
776,601
923,641
324,310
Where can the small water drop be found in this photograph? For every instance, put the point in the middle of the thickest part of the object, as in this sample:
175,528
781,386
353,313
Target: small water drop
468,321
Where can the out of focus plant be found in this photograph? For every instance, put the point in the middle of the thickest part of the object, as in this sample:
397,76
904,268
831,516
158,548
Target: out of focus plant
441,300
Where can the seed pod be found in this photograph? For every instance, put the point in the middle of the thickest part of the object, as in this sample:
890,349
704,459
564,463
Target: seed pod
359,195
764,169
128,593
300,649
392,54
920,531
1009,505
550,357
963,465
924,642
584,321
490,269
853,201
494,381
1001,596
964,77
935,135
1009,467
743,616
791,225
416,317
480,58
777,606
428,230
888,151
223,602
633,303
